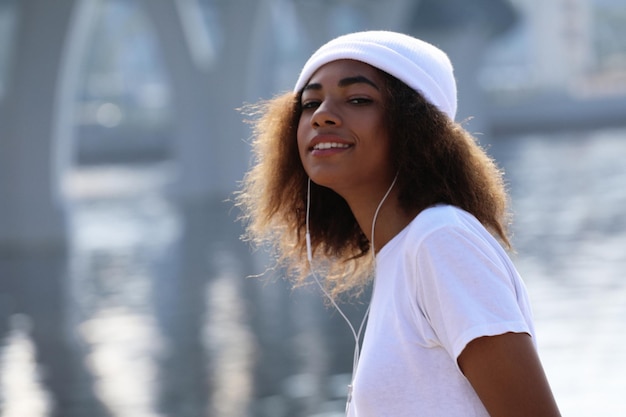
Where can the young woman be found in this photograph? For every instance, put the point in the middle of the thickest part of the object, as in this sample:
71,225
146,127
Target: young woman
362,174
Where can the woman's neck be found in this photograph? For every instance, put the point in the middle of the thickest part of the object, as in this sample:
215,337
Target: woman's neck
390,220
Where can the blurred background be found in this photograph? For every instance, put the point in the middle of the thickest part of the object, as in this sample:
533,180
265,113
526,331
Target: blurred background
124,288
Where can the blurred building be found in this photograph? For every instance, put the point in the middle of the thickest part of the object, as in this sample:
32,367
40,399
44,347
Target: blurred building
563,67
573,46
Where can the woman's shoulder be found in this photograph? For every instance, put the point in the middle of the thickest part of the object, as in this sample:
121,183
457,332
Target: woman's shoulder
446,221
450,228
438,222
442,216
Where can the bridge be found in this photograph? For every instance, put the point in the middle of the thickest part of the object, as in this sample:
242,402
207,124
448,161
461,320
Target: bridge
259,56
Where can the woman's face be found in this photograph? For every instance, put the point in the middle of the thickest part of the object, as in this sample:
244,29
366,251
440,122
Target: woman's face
342,135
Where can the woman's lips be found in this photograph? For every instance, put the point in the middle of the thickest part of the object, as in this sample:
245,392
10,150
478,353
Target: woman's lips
324,144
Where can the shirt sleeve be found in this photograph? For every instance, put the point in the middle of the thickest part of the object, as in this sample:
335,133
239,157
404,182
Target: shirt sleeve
466,288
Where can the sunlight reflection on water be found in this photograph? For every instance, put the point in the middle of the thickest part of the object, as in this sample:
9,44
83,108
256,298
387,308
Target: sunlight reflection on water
20,382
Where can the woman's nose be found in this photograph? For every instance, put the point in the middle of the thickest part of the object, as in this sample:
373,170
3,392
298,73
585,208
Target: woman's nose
325,115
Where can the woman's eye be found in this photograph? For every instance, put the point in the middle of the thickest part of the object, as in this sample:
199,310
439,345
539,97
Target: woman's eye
310,104
360,100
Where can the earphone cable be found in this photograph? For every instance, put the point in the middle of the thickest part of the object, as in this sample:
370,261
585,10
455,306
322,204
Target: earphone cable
355,334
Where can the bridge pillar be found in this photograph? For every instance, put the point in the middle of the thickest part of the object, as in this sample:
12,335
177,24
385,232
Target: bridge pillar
36,123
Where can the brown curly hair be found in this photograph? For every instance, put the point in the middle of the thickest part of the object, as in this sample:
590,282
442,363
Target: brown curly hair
437,161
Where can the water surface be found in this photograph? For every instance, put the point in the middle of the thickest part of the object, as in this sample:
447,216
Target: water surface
152,313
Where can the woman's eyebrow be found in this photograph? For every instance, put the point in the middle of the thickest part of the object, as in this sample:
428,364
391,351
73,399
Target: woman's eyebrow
312,86
344,82
356,80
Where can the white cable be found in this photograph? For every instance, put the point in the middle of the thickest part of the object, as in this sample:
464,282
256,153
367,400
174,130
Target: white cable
355,334
310,258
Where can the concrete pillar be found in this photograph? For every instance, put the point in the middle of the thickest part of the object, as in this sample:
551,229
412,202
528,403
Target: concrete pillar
34,121
209,134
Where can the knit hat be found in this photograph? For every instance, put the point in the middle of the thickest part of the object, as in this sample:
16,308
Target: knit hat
420,65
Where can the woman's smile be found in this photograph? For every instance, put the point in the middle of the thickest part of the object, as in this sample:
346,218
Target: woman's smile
326,145
330,145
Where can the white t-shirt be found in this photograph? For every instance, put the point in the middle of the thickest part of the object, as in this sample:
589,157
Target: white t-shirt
440,283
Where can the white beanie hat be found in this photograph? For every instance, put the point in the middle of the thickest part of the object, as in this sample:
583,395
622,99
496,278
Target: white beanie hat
420,65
